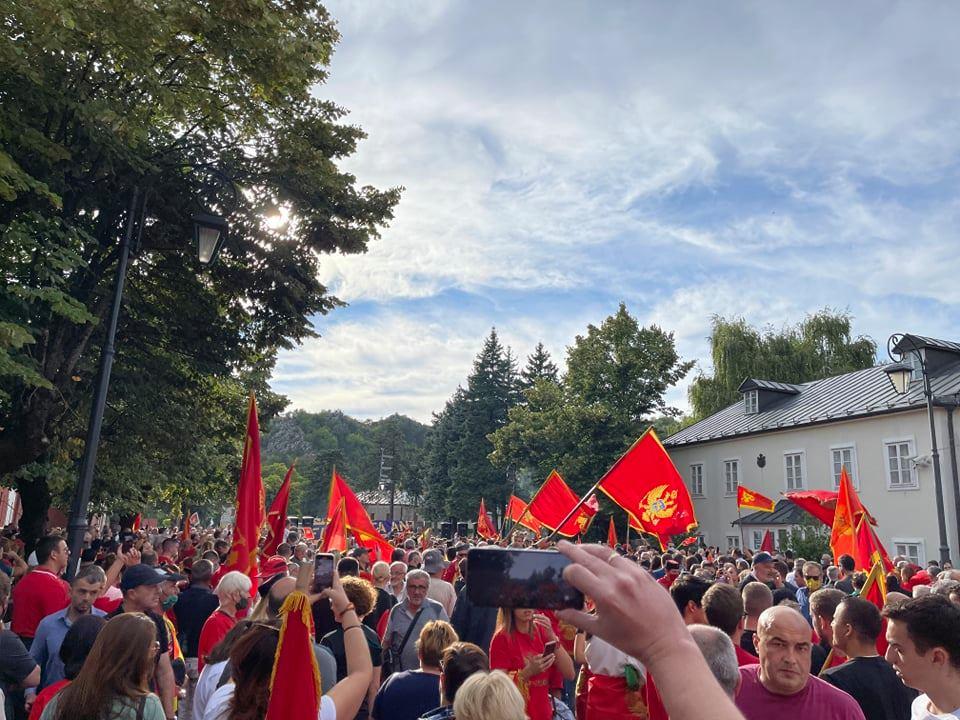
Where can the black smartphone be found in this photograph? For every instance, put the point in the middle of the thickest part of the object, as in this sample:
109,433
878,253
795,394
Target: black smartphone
323,565
550,648
500,577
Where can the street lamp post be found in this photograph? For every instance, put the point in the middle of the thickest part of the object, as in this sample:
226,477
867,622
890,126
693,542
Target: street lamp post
209,234
900,374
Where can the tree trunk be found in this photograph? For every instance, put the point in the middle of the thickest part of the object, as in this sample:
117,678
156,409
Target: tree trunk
35,499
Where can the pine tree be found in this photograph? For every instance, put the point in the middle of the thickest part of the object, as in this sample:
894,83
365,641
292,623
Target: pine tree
539,367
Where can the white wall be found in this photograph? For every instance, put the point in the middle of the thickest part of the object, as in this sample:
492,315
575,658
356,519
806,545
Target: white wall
900,514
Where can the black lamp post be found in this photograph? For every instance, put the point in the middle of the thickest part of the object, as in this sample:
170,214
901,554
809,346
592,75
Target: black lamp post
209,233
900,374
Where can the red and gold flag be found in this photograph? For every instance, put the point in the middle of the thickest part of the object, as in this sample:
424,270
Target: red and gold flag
295,680
358,521
250,504
517,512
553,503
645,483
692,540
335,534
867,549
847,515
611,534
277,516
819,503
484,528
136,522
751,499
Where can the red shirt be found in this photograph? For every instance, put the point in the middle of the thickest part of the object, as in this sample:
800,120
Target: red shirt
44,697
743,657
213,631
38,594
509,653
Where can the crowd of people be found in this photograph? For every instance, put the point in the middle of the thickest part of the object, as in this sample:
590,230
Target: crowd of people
153,626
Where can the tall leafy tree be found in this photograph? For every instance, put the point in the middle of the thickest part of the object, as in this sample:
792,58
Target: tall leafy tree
821,345
539,367
202,107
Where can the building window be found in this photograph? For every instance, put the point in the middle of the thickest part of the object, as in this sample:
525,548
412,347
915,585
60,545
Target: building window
731,477
733,541
757,539
897,454
751,402
782,538
911,549
844,457
696,480
793,470
913,360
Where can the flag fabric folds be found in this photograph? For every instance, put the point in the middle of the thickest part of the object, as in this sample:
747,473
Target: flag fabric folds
751,499
554,501
485,528
611,534
277,516
136,522
692,540
867,549
819,503
645,483
517,512
767,544
847,515
358,521
250,504
295,679
335,534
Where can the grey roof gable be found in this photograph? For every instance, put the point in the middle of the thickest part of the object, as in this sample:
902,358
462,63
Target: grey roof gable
770,385
856,394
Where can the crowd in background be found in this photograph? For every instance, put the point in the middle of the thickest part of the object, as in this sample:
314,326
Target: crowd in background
153,626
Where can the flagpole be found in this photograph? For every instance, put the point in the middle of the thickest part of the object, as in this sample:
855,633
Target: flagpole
628,532
740,524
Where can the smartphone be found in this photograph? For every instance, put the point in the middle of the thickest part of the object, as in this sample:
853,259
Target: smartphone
322,571
501,577
550,648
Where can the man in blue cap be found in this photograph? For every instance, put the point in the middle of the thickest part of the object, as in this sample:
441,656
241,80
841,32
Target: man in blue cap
763,571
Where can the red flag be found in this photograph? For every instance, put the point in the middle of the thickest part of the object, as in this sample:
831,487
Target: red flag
277,516
425,539
308,533
517,512
295,680
554,501
689,541
767,544
753,500
335,534
358,522
819,503
484,528
185,535
845,518
136,522
868,550
611,534
645,483
875,587
250,502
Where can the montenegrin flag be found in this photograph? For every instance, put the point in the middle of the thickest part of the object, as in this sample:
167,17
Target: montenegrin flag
751,499
295,683
645,483
250,503
277,516
358,521
517,512
484,527
554,501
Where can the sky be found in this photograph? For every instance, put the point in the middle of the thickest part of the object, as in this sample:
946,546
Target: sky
757,160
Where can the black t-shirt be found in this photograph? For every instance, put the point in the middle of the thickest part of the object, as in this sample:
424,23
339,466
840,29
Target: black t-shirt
15,664
193,608
385,601
746,642
334,641
162,636
874,684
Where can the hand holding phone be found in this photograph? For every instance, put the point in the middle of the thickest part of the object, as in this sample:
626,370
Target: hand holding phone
322,572
500,577
550,648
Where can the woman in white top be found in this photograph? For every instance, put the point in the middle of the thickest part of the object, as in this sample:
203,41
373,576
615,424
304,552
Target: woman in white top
616,684
252,658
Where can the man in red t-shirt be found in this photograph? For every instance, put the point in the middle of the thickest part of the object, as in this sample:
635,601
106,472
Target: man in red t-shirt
42,591
233,591
781,686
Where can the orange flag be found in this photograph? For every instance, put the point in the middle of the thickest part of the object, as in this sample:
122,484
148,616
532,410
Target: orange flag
867,549
847,515
484,528
611,534
753,500
358,521
517,512
335,534
645,483
277,516
250,502
295,679
554,501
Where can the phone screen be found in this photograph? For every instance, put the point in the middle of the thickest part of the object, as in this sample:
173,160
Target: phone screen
500,577
550,648
322,571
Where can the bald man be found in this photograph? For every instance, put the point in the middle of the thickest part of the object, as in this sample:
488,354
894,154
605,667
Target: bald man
781,686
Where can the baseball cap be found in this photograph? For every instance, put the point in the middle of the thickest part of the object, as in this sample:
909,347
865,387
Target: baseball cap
432,561
272,566
171,573
762,557
141,574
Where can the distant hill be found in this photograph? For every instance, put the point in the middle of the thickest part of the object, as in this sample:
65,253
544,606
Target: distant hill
319,441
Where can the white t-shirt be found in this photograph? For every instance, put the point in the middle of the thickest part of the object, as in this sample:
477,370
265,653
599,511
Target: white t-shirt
444,593
206,686
604,659
920,710
218,706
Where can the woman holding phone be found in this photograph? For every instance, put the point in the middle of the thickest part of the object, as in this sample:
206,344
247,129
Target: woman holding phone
525,647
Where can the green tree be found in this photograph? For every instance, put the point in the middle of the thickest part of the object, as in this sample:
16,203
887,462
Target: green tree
203,107
539,367
820,346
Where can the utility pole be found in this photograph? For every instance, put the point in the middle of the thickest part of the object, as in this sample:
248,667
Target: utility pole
386,476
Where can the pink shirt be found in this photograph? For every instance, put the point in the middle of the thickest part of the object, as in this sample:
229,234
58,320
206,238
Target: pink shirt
818,699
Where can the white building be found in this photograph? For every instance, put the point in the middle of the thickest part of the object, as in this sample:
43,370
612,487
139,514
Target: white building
377,504
807,432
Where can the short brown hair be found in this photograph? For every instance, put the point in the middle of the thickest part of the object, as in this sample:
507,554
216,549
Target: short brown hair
723,607
360,593
460,661
824,602
436,636
757,597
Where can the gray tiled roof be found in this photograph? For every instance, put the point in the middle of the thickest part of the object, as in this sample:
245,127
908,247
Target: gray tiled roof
785,512
921,341
773,385
855,394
